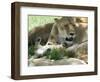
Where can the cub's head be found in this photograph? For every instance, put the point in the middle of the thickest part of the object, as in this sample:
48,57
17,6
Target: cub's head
69,30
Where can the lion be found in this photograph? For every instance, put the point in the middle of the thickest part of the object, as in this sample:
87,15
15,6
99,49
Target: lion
71,32
68,31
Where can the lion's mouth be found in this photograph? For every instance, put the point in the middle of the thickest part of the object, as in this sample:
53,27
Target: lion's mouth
69,39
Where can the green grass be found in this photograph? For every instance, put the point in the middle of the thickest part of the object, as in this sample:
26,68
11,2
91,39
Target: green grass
57,54
54,54
34,21
31,51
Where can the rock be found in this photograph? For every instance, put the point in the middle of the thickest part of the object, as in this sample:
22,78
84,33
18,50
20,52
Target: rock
69,61
75,61
47,62
39,62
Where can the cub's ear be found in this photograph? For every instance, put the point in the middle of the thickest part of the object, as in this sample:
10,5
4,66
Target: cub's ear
56,19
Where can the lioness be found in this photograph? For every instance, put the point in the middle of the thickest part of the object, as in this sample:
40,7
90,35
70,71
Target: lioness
71,32
68,31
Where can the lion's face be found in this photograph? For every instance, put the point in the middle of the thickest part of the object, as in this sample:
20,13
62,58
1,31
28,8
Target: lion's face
66,31
69,31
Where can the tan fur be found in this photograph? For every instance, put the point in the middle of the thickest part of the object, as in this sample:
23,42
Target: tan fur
66,25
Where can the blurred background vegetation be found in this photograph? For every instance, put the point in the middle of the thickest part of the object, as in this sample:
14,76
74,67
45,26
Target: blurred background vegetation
34,21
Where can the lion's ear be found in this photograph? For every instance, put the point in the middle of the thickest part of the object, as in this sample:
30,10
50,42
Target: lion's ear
56,19
78,20
82,19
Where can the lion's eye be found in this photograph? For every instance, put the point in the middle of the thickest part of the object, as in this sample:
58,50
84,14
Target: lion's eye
66,25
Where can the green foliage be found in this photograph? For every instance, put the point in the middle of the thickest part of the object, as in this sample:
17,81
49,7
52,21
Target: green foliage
34,21
54,54
57,54
31,50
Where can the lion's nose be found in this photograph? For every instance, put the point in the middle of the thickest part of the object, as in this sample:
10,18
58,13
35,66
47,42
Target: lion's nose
71,33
